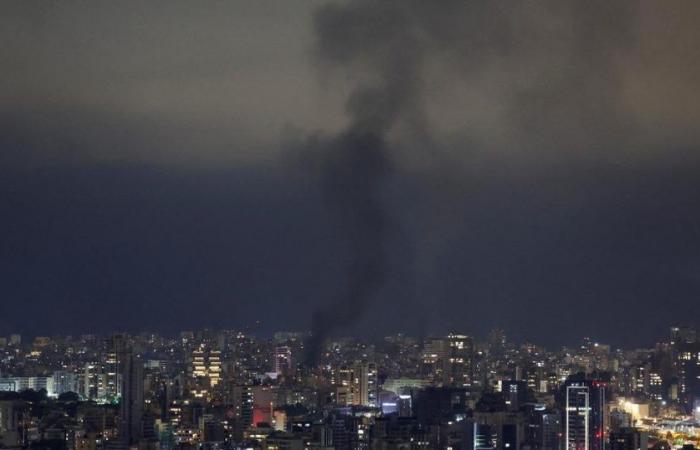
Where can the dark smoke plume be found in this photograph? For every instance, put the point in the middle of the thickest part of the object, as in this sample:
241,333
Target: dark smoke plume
356,163
352,182
555,63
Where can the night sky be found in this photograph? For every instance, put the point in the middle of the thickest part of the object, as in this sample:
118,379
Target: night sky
437,165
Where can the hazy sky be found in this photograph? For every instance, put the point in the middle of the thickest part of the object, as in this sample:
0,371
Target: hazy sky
160,165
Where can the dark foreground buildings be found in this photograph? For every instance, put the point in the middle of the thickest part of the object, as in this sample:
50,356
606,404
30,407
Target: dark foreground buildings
228,390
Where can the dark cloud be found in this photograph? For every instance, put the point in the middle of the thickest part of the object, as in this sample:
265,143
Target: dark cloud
179,83
498,160
559,67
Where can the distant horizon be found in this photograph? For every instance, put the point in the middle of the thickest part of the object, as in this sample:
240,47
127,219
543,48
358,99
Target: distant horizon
481,338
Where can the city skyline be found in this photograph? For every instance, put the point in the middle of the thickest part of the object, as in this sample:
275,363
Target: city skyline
229,390
282,335
350,225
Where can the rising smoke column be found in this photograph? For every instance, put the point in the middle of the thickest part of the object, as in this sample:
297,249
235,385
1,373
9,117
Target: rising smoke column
356,163
356,202
552,67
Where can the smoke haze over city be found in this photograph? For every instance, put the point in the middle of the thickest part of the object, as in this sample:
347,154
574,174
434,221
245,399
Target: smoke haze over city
389,166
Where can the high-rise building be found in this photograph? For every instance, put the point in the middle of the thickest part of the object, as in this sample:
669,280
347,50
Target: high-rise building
686,347
485,437
584,414
242,399
551,431
283,360
440,404
205,369
434,352
356,385
577,417
458,363
92,381
515,393
497,343
10,417
368,384
110,366
63,381
449,360
498,431
131,411
346,386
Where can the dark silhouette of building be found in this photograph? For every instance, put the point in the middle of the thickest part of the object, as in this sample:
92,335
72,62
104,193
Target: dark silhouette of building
433,404
628,439
688,363
132,398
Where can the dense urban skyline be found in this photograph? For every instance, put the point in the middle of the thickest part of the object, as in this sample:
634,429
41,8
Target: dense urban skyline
349,225
230,390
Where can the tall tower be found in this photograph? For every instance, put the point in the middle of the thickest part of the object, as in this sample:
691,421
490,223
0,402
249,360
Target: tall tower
686,344
206,370
584,414
458,363
110,361
131,413
577,417
368,384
